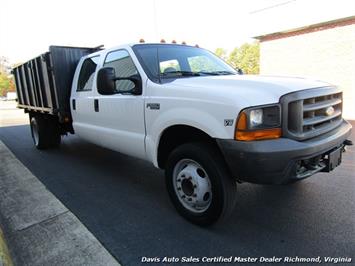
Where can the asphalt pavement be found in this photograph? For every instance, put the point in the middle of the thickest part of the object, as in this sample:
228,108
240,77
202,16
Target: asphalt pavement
124,203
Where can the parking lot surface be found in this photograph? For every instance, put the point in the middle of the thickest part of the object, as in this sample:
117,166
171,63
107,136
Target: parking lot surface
124,203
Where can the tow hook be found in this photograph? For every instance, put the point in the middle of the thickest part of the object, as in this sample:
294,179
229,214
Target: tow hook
348,142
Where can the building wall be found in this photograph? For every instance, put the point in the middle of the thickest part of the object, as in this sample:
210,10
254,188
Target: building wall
327,55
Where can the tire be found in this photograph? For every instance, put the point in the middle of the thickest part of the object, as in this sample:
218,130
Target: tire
199,185
45,132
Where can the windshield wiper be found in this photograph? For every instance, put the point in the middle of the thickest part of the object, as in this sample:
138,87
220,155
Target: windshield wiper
216,73
180,73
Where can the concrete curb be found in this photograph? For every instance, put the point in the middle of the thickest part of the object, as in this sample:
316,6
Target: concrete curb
38,228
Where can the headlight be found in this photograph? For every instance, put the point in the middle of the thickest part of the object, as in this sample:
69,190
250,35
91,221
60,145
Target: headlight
259,123
256,117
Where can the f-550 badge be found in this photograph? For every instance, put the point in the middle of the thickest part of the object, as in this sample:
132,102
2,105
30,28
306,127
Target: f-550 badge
228,122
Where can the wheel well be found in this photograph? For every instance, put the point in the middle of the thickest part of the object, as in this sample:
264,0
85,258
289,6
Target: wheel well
177,135
55,121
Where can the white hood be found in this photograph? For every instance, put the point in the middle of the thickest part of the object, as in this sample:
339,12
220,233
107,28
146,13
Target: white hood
253,89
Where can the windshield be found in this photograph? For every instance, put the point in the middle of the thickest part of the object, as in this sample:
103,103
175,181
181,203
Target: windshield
161,61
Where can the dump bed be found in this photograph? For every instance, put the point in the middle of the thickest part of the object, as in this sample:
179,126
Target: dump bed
43,84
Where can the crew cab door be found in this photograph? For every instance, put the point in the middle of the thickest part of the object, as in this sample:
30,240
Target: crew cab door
119,118
82,98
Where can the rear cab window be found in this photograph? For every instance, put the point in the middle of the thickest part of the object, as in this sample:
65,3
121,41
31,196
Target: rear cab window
87,73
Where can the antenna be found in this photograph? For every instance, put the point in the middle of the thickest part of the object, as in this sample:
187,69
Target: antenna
270,7
155,19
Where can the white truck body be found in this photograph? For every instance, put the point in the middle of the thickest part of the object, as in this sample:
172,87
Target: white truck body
188,112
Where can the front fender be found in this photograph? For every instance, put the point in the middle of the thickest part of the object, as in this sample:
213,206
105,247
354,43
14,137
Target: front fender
206,122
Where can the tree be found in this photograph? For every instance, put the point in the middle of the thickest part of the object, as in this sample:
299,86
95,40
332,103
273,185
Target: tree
6,80
222,53
246,57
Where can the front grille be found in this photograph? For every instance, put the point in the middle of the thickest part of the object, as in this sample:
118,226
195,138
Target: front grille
312,112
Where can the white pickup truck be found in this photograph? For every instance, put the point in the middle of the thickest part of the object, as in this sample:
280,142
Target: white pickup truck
188,112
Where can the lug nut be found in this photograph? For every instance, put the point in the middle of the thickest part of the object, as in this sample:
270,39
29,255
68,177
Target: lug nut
179,180
183,196
194,195
189,199
179,188
195,186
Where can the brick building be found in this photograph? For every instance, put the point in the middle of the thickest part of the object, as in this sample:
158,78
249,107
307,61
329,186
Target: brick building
324,51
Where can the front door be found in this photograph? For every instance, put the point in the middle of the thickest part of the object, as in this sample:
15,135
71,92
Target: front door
120,117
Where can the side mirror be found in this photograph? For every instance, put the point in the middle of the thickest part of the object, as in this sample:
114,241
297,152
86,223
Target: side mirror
240,71
136,79
106,81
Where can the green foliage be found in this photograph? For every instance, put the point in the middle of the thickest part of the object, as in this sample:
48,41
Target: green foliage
222,53
6,84
245,57
6,81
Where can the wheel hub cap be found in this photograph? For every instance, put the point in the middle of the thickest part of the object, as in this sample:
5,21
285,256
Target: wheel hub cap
192,185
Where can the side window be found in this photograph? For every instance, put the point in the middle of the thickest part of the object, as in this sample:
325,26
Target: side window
124,67
87,72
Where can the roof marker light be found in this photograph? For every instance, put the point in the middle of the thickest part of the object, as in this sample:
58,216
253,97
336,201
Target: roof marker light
141,40
162,41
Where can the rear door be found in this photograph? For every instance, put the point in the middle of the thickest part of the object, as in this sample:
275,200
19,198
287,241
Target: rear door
82,98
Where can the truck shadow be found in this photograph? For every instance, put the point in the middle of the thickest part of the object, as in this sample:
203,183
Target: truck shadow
124,203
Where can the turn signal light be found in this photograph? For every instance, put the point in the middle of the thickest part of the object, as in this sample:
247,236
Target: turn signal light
242,133
273,133
242,122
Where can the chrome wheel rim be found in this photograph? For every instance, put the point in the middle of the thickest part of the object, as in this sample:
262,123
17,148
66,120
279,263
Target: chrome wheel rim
192,185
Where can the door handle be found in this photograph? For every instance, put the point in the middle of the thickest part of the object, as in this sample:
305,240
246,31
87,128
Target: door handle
96,105
73,104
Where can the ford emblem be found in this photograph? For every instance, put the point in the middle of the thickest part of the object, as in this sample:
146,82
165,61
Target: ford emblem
329,111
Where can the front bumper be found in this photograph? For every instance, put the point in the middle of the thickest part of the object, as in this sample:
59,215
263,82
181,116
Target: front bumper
281,160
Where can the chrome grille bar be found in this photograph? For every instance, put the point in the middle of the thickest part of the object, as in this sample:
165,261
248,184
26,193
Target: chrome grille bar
319,119
320,105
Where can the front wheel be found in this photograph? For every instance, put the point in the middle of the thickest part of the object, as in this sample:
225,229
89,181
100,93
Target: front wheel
199,184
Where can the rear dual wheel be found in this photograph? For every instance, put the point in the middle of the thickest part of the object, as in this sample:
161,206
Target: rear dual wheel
199,184
45,131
